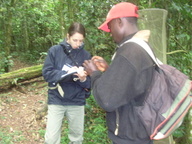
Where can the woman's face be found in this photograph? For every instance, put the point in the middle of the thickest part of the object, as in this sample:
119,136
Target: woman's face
76,40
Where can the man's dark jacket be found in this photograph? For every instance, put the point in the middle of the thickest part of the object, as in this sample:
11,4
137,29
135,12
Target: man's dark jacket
119,88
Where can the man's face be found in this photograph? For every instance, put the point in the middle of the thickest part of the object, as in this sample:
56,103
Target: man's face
115,30
76,40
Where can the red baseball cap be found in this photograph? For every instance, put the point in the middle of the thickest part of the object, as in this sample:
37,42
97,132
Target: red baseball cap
123,9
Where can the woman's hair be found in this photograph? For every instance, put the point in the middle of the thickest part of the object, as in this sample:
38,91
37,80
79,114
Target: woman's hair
76,28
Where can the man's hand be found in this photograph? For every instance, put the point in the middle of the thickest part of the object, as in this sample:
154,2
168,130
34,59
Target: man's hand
100,63
90,66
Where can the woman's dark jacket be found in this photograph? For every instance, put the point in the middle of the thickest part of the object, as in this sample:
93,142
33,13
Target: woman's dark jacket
74,92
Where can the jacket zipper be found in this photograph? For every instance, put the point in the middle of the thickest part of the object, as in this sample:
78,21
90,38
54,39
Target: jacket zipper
117,122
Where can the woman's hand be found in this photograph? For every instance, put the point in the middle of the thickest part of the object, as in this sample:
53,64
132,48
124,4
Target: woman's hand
81,74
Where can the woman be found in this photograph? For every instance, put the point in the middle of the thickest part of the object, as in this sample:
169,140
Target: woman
66,94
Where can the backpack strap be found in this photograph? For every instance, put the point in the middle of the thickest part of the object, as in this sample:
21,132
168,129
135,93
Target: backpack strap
75,79
59,88
146,47
69,55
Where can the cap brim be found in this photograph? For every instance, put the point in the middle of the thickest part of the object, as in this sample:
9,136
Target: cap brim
104,26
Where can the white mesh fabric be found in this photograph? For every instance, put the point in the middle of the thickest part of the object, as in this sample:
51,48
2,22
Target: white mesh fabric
155,20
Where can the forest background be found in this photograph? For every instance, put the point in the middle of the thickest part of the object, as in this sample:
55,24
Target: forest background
28,28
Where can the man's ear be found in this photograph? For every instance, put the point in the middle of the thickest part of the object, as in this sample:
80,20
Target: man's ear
120,21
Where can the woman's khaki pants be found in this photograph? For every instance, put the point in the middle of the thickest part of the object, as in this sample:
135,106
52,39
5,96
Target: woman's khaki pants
75,117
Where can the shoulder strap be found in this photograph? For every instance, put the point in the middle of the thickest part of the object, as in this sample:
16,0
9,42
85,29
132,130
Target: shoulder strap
146,47
69,55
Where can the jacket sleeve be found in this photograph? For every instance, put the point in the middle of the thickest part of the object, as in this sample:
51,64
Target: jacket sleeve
87,83
114,87
50,73
127,78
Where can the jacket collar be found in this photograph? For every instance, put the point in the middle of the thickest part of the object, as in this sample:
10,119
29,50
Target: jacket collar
125,39
68,46
142,34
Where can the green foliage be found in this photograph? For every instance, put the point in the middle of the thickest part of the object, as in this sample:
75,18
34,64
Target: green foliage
5,62
4,138
179,31
30,57
42,57
180,132
95,124
10,138
37,25
182,61
95,130
42,132
97,41
179,34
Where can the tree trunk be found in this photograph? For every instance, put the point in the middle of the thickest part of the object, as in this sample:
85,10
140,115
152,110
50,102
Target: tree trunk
11,79
25,32
61,18
8,31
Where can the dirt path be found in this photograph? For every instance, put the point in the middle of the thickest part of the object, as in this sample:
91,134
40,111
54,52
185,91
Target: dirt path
18,107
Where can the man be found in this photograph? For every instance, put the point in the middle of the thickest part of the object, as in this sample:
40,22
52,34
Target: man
122,85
